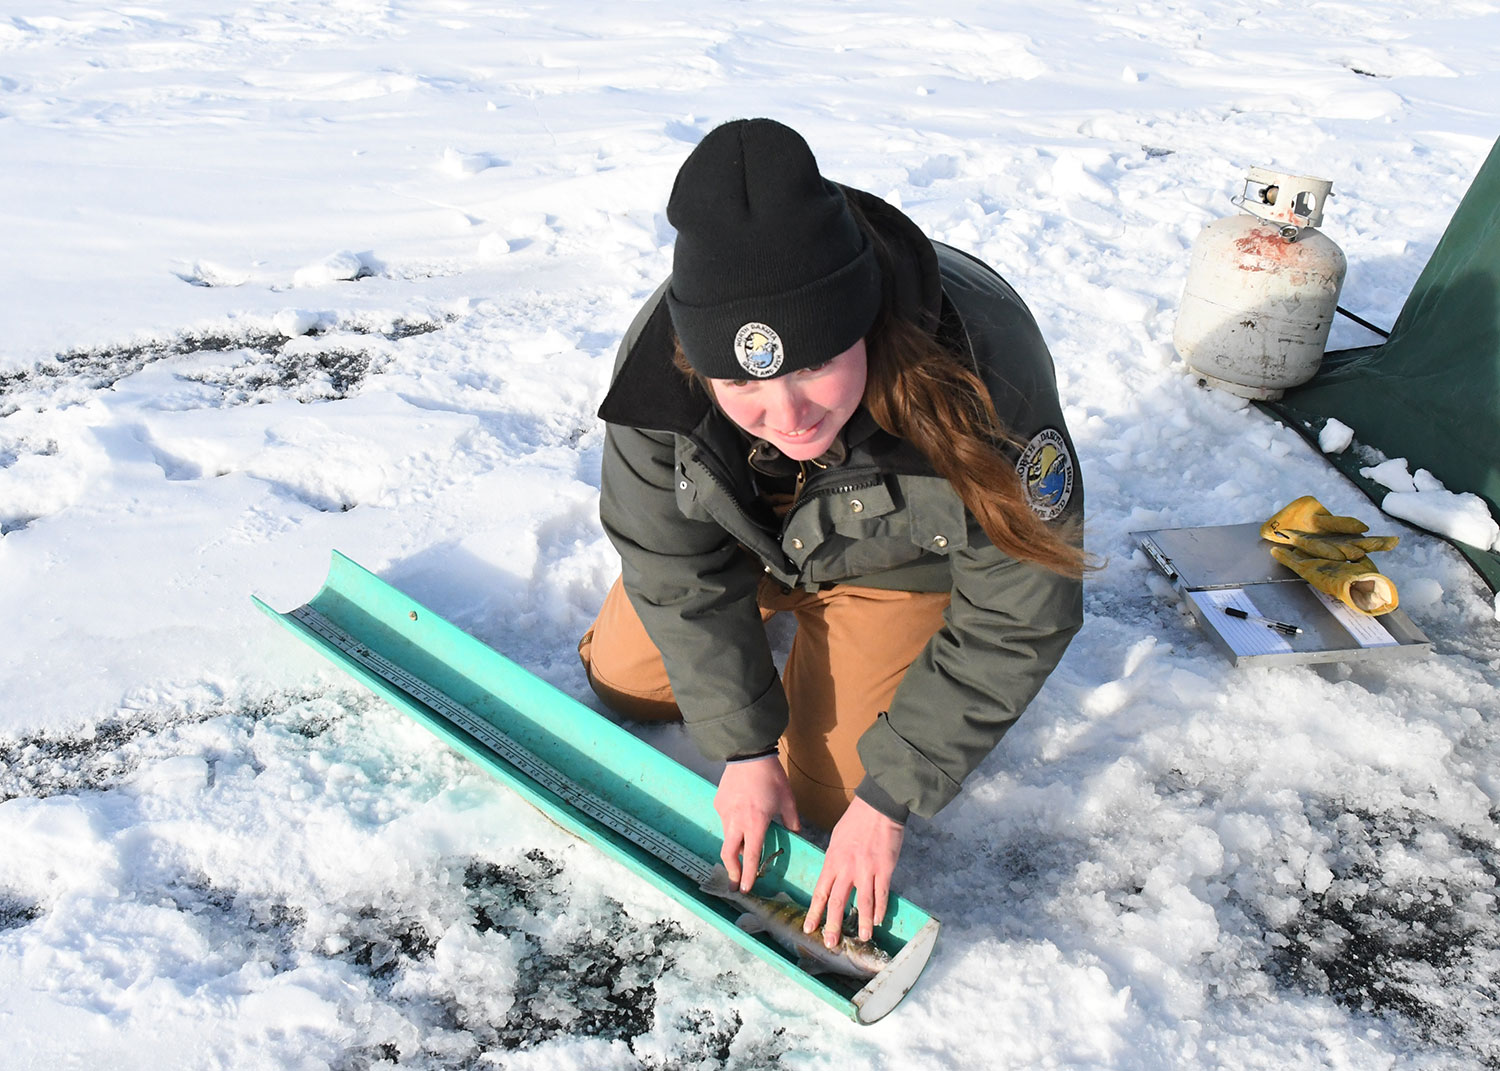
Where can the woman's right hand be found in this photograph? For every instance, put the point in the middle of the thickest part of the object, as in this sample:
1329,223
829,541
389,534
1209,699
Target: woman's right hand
751,794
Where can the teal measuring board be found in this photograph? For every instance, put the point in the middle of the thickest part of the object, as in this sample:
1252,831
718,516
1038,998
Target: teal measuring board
583,771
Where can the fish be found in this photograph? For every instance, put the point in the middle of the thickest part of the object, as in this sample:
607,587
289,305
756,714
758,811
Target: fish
781,918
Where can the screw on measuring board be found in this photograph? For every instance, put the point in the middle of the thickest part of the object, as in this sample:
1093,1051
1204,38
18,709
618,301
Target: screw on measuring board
413,615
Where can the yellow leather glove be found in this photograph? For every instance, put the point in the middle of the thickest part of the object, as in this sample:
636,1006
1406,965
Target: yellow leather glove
1307,525
1334,548
1354,583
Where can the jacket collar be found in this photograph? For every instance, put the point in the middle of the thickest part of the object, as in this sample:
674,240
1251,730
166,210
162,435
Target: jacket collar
767,458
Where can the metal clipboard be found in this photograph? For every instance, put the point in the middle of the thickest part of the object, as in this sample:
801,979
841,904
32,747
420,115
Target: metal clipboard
1211,566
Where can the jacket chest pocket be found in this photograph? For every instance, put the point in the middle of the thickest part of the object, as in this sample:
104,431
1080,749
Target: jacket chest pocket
939,523
924,510
853,513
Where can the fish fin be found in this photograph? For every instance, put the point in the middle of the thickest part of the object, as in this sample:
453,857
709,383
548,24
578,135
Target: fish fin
782,898
751,923
810,963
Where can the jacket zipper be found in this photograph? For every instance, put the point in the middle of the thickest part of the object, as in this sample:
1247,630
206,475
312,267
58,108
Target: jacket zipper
723,486
703,458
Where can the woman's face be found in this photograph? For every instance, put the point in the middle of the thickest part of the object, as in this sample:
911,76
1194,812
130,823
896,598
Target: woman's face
800,413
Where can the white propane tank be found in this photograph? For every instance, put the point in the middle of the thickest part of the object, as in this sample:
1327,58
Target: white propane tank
1262,289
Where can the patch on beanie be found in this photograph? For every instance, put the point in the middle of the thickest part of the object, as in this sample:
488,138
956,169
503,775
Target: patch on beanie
1046,469
758,349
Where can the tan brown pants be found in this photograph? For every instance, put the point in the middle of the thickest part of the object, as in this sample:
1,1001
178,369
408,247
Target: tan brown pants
852,647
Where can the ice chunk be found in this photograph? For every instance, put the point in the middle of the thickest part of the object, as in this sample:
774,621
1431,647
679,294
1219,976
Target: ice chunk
494,246
1464,517
1392,474
339,267
1335,436
179,775
1426,481
459,164
1316,877
294,322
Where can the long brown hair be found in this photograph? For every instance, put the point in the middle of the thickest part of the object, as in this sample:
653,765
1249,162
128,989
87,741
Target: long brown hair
919,391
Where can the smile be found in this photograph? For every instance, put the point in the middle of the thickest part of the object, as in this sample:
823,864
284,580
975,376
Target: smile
800,433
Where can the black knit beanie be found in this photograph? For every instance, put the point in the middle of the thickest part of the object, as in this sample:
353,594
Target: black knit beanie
770,274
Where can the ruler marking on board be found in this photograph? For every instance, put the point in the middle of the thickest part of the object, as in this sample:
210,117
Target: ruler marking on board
540,771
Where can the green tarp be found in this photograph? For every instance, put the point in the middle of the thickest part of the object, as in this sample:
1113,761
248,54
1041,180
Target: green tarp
1431,392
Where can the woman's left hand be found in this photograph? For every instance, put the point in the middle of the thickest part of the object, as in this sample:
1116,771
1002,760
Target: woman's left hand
862,854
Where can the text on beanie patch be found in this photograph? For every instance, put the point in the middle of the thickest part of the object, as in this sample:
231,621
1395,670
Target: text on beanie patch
758,350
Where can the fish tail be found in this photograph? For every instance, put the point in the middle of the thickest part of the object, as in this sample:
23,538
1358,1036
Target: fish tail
718,883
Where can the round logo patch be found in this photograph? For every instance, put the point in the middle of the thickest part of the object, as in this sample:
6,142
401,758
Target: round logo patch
758,350
1046,469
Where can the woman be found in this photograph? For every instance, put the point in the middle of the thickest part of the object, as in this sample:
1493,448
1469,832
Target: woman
825,413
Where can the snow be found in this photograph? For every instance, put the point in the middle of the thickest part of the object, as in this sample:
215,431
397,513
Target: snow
300,277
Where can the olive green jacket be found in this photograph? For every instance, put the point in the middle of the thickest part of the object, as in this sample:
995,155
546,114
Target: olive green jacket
679,503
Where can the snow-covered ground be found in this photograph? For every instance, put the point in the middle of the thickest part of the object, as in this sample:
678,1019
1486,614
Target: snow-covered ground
351,274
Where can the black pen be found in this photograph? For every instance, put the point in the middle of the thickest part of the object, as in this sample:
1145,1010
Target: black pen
1276,626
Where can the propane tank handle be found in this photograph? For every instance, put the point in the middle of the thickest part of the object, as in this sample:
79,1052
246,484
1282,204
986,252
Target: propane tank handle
1292,203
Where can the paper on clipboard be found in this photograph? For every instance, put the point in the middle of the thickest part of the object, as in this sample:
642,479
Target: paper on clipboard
1244,637
1367,631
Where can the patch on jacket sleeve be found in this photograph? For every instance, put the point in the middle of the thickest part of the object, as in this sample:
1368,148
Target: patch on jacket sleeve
1046,470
